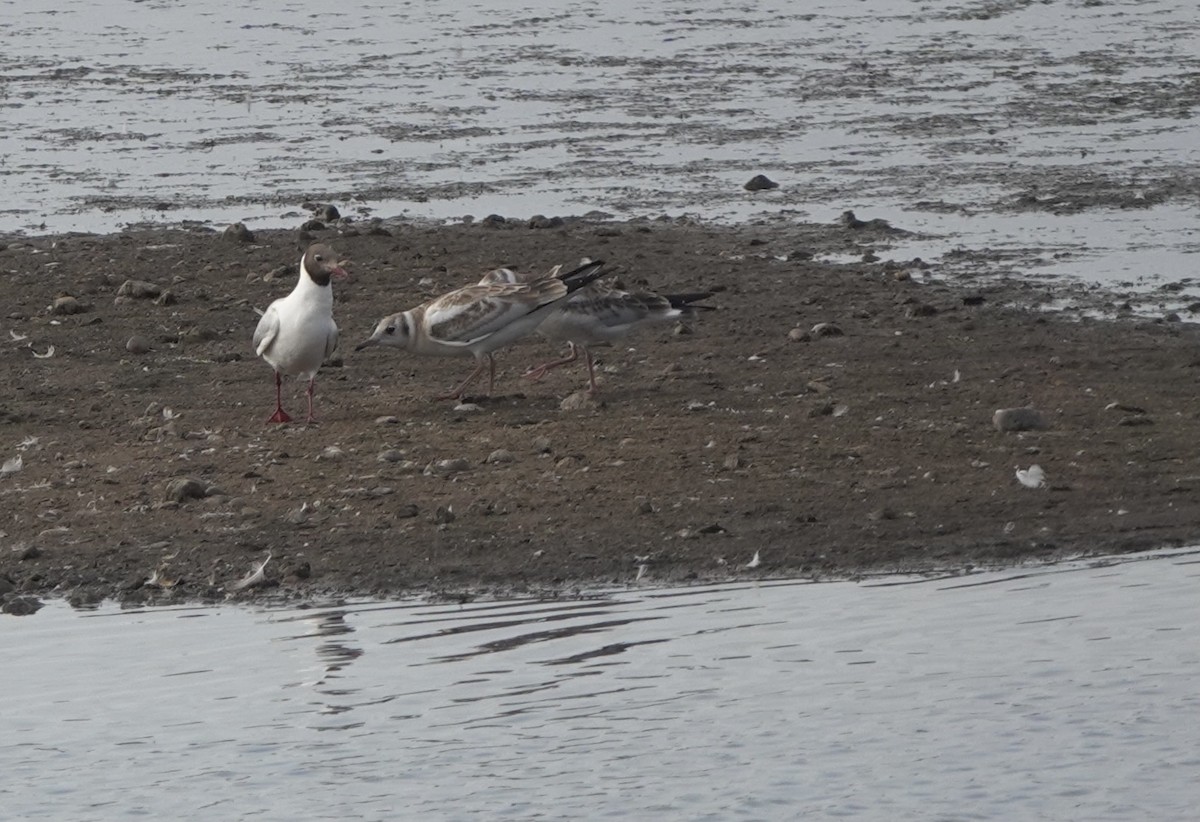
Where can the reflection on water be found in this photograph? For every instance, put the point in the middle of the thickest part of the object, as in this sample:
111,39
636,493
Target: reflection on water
1048,693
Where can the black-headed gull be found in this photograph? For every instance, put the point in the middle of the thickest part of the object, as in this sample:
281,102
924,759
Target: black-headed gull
601,314
478,319
297,332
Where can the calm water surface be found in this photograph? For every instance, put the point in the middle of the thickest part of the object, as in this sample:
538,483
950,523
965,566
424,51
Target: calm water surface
1054,693
937,116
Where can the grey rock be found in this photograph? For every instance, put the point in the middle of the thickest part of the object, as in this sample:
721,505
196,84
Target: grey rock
444,468
137,344
237,233
66,305
581,401
182,489
760,182
1019,419
21,606
499,457
138,290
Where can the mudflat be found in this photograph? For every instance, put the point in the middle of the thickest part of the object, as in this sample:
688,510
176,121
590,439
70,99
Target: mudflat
824,420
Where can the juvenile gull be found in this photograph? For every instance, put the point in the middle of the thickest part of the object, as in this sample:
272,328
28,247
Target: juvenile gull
297,332
599,314
478,319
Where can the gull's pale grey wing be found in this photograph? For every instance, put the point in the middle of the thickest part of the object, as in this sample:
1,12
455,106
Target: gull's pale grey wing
331,341
266,330
475,312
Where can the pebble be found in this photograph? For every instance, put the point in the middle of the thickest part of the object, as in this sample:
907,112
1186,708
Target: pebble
799,335
138,290
21,606
732,462
390,455
500,456
760,182
827,330
541,445
643,507
1019,419
137,344
920,310
387,420
331,453
467,407
444,468
542,221
580,401
406,511
237,233
28,552
327,212
444,515
67,304
182,489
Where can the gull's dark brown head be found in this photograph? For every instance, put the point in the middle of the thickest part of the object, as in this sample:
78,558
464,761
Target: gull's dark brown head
321,264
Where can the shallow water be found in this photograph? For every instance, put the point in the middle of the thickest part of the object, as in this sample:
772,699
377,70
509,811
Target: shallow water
942,118
1065,692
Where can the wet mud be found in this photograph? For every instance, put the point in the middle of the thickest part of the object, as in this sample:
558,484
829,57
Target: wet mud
826,420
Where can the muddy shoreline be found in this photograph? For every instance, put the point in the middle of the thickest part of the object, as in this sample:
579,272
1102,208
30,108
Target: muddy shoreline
869,449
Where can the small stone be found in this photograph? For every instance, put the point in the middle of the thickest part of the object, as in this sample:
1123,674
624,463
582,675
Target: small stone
237,233
799,335
444,468
277,273
182,489
444,515
66,305
331,453
327,212
301,570
732,462
541,221
541,445
827,330
406,511
390,455
580,401
643,507
21,606
500,457
28,552
138,290
197,334
713,528
387,420
760,182
137,344
920,310
166,298
1019,419
467,407
381,491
